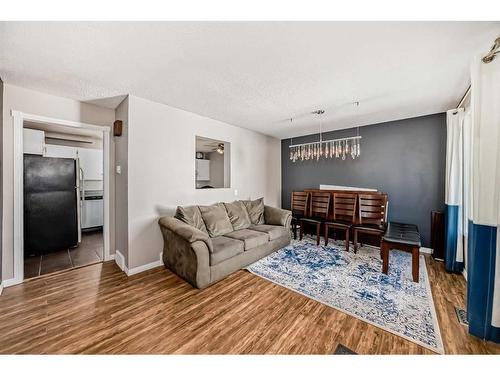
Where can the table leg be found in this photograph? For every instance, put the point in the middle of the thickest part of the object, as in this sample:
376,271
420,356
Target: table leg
415,266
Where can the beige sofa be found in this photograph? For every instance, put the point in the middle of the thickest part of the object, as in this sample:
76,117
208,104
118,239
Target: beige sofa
204,244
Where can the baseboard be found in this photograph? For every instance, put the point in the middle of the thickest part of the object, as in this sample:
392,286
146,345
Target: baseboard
144,267
426,250
11,282
120,261
1,288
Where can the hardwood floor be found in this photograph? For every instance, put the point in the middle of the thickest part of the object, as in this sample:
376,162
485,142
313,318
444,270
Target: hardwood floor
97,309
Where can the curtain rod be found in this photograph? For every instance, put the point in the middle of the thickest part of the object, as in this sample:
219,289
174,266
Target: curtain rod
463,97
493,52
486,59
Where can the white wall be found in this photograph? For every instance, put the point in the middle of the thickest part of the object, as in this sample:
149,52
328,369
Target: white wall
34,102
121,182
160,141
216,169
161,168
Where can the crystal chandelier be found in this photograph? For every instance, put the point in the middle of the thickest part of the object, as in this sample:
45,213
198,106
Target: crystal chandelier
333,148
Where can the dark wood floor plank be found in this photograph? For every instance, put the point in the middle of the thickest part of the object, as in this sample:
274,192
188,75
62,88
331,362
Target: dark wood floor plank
98,309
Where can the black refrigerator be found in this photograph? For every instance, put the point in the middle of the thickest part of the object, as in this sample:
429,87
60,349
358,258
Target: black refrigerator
50,204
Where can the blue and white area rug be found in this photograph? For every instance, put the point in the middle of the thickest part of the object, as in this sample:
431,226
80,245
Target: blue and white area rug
355,284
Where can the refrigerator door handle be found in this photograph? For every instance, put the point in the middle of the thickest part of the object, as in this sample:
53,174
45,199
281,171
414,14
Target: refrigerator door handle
78,201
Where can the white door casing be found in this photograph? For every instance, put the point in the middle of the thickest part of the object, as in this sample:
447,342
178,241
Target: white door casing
18,119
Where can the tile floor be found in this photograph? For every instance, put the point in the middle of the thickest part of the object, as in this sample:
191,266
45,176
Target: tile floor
89,251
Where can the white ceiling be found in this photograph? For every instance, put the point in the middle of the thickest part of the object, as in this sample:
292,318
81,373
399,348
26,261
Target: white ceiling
254,74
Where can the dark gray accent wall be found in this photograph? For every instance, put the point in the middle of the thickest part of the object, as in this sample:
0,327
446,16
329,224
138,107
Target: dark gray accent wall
405,159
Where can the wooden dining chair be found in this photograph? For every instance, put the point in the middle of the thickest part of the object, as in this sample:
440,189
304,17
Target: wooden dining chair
372,210
299,207
318,213
344,215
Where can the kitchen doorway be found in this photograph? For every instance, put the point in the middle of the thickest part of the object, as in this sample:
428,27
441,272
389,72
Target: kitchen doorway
61,205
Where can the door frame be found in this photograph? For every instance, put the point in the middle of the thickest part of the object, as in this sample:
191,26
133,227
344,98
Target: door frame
18,119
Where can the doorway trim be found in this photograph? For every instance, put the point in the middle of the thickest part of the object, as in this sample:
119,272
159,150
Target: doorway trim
18,119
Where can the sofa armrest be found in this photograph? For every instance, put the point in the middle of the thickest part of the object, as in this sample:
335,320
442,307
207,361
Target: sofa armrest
186,252
277,216
187,232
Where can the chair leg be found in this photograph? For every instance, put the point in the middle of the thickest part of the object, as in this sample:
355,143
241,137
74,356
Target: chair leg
347,240
318,236
355,241
301,232
326,235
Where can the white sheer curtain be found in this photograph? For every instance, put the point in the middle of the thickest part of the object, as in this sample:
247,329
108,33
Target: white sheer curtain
454,191
467,188
483,284
485,112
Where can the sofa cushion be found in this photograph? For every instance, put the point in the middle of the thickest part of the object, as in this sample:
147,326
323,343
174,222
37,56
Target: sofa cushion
238,215
216,219
191,215
251,238
255,210
274,231
225,248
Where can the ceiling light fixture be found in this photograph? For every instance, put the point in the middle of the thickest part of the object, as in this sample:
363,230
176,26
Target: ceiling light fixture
220,148
338,148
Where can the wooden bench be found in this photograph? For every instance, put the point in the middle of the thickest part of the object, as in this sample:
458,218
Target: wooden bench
402,237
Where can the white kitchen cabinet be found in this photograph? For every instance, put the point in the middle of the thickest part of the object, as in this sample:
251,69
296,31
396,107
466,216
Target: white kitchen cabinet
91,161
202,170
56,151
33,141
92,213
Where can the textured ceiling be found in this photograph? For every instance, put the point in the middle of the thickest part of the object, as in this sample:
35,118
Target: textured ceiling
254,74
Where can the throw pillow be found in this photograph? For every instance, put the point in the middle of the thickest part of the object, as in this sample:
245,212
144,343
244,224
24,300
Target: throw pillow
255,210
216,220
191,215
238,215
